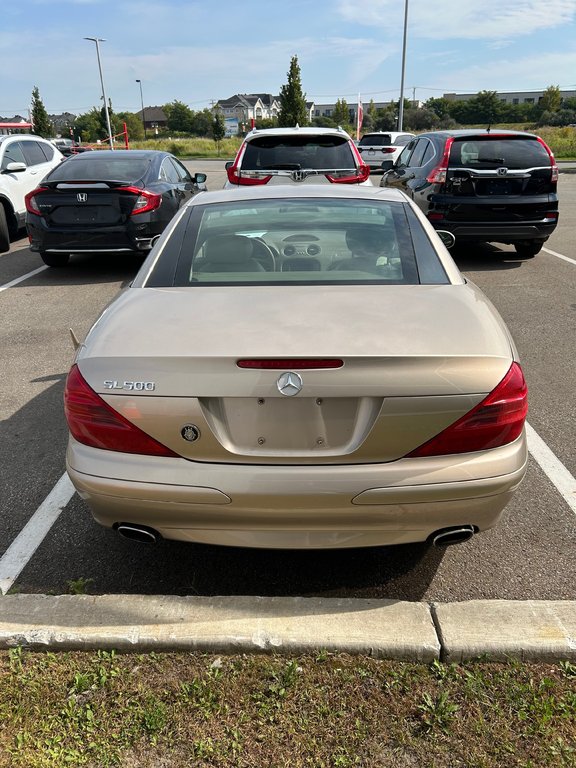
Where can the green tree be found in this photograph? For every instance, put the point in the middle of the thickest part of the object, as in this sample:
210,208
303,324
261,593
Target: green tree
218,128
134,125
179,117
292,99
440,106
341,114
42,125
201,123
551,100
88,127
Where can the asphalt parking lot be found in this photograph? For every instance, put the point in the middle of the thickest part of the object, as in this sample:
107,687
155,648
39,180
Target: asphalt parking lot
529,556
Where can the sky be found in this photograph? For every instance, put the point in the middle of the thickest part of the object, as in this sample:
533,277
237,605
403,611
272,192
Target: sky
197,52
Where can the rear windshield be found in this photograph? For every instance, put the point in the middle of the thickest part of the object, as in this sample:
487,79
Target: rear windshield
296,241
491,152
376,140
298,152
92,166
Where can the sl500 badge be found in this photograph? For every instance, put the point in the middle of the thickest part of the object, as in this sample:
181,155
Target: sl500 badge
131,386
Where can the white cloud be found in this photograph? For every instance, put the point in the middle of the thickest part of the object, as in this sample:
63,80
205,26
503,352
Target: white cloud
467,19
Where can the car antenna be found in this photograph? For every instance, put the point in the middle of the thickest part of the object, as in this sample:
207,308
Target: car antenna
488,129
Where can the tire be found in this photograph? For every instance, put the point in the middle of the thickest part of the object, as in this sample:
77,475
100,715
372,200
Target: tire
4,231
528,249
55,259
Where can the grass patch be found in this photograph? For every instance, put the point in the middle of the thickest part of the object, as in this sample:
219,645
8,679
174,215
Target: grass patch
324,711
192,148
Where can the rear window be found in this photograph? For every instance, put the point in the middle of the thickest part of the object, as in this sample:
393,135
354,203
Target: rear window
291,241
298,152
91,166
492,152
376,140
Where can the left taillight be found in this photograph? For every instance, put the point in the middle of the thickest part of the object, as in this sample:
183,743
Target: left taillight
31,202
145,200
93,422
497,420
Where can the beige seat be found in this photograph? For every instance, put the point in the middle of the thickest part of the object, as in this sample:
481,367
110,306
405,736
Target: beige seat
228,253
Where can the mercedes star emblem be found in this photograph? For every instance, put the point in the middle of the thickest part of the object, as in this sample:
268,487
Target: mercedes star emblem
289,383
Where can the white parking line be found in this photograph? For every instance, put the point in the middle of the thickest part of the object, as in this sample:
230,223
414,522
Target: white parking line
12,283
20,552
560,256
553,468
22,549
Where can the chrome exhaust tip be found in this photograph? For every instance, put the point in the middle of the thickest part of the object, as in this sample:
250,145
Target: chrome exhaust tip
448,536
139,533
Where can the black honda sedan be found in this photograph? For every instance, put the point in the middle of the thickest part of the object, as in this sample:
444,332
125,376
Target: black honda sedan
107,201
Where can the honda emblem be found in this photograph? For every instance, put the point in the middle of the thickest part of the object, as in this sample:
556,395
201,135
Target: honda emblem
82,197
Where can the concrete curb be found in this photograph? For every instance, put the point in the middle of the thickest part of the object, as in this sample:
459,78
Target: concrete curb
411,631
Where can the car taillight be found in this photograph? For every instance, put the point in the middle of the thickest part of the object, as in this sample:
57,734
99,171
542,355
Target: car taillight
553,165
497,420
31,202
438,174
290,364
93,422
146,201
248,178
387,150
362,174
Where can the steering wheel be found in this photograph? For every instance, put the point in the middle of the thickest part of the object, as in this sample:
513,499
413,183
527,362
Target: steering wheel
264,254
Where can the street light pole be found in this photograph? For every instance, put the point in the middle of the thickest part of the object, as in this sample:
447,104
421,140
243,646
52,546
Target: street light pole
401,104
98,40
142,102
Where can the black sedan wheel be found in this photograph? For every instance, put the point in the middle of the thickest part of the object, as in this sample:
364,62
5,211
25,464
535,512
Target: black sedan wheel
55,259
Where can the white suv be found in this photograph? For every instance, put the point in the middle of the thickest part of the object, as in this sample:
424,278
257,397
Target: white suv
382,145
24,161
297,156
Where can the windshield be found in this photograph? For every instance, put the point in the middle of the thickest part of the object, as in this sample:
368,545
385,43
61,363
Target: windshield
297,152
102,168
299,241
376,140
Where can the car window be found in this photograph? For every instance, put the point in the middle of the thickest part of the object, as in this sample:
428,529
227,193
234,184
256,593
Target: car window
297,152
92,165
168,172
47,149
13,154
33,152
183,174
403,139
418,153
404,156
489,152
294,241
376,140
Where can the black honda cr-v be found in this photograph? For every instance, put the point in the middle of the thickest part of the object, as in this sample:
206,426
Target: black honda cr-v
482,185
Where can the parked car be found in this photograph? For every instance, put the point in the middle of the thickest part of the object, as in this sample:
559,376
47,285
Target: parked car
378,146
107,201
482,185
24,160
297,156
298,367
70,147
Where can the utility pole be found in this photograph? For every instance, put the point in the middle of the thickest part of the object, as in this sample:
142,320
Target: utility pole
401,104
98,40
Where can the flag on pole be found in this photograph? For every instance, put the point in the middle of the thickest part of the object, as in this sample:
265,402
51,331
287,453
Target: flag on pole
359,118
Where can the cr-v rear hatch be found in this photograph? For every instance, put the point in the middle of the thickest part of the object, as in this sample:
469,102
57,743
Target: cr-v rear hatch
503,178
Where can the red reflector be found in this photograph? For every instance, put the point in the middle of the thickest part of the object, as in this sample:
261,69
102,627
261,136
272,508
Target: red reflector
435,216
290,363
93,422
497,420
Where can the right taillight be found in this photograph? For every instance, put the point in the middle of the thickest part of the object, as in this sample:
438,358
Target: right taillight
497,420
553,165
93,422
438,174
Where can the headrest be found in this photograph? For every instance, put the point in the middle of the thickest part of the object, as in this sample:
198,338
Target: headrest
228,249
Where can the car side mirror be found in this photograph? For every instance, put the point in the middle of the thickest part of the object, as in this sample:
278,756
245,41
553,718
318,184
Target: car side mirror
199,178
447,237
14,168
387,165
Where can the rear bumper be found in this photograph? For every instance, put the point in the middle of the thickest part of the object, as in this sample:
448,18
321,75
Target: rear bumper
128,237
298,506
